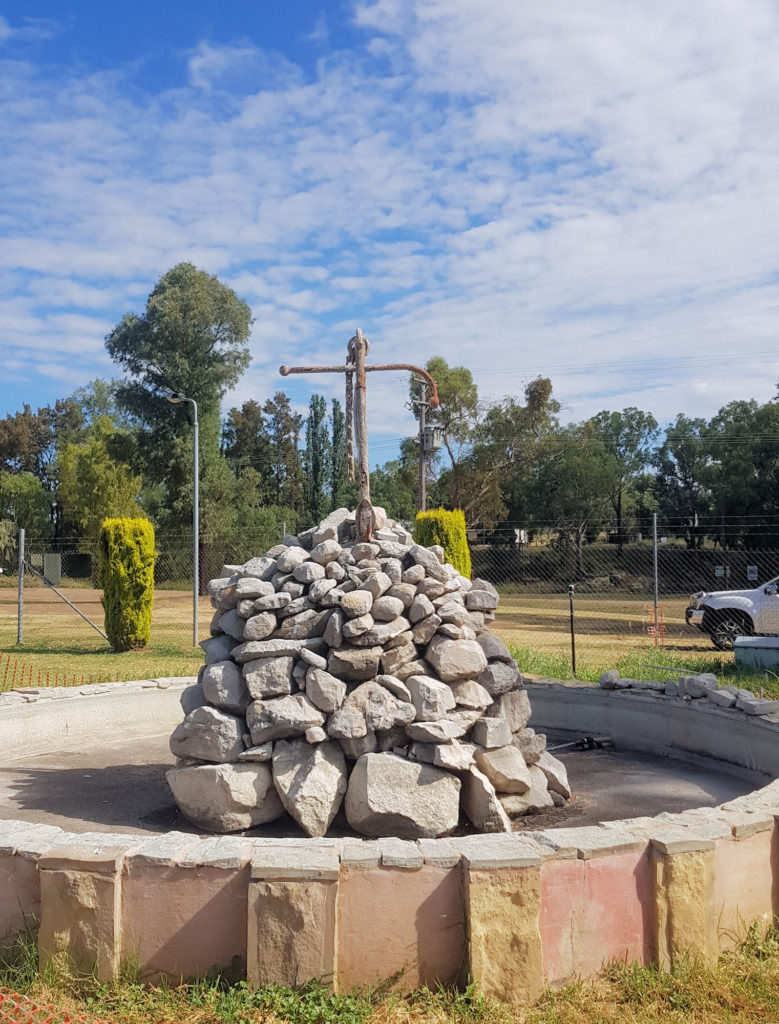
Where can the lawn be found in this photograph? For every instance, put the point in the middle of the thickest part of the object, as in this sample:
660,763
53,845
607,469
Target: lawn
612,631
58,644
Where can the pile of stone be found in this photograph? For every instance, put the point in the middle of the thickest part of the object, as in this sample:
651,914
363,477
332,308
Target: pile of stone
359,674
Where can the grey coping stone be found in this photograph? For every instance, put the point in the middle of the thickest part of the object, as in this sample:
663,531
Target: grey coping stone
674,839
82,852
439,853
97,839
219,852
27,839
591,841
315,862
497,850
176,681
400,853
757,706
635,826
748,823
361,853
166,849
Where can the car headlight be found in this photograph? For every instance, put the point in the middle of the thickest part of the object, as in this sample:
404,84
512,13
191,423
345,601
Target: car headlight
695,599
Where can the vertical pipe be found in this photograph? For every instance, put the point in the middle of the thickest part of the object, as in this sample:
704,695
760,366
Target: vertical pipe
422,465
20,601
573,631
655,574
361,417
195,523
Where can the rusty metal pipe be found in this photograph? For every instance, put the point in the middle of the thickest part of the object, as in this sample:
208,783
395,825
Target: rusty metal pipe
434,400
285,371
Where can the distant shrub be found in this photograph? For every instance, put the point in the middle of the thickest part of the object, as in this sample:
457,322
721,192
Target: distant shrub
438,526
127,577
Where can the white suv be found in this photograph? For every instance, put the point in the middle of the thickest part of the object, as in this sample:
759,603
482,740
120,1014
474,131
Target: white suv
727,614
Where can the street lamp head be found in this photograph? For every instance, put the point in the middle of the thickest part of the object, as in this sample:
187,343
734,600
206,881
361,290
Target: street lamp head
175,397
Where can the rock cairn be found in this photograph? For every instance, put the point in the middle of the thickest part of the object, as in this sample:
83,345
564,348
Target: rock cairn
363,675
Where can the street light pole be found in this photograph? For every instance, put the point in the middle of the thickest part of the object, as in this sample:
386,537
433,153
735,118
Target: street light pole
176,399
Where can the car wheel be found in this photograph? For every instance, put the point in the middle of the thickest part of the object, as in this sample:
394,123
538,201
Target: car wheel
725,627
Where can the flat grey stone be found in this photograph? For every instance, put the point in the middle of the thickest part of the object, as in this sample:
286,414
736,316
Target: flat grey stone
487,853
400,853
292,863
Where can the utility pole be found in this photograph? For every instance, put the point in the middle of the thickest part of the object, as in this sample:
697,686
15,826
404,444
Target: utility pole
421,404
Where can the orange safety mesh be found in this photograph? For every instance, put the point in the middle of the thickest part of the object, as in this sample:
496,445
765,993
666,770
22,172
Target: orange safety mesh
17,1009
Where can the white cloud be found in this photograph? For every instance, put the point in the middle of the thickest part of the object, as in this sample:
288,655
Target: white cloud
562,189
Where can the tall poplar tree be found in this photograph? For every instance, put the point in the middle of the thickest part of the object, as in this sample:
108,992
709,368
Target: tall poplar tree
316,460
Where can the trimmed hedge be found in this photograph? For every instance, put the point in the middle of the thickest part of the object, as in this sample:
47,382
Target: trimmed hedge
127,577
438,526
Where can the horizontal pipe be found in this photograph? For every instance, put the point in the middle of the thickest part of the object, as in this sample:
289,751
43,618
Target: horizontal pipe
285,371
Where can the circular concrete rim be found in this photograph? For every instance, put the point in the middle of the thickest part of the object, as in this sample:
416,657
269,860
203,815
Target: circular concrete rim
569,898
642,720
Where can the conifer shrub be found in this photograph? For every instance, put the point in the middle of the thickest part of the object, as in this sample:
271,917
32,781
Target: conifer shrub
439,526
127,577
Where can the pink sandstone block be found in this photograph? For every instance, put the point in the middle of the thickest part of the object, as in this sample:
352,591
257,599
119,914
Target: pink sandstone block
593,911
745,876
20,894
178,922
392,919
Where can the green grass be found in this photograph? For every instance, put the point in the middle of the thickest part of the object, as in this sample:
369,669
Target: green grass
741,988
647,664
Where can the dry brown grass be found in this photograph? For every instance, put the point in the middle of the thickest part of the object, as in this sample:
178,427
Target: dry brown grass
58,644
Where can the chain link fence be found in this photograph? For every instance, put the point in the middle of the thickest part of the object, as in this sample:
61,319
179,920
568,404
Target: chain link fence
614,587
628,596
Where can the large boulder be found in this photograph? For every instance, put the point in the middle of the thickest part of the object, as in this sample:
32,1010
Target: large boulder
311,781
225,797
390,796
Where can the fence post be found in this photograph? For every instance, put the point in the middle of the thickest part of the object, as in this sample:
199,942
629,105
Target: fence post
20,600
656,577
573,632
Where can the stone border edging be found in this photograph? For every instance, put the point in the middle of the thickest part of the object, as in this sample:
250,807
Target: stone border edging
645,888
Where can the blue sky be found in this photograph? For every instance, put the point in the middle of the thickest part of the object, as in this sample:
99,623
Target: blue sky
586,191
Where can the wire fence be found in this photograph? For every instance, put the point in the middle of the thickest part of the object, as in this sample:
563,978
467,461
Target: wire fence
626,596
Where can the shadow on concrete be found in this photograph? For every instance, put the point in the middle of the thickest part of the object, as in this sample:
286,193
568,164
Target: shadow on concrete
100,790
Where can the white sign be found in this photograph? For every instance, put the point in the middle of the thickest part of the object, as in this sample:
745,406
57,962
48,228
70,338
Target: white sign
719,570
752,572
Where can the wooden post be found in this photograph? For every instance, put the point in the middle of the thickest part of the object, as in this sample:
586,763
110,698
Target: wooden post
360,415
